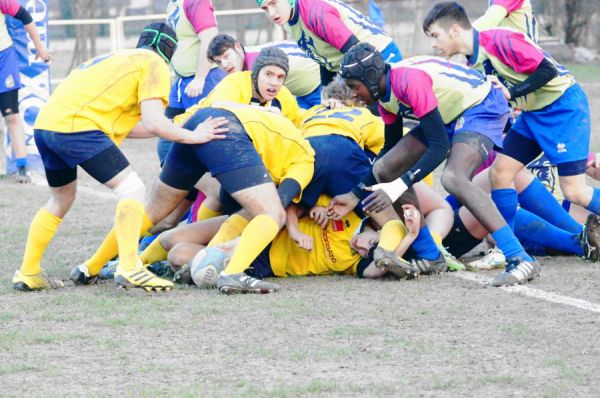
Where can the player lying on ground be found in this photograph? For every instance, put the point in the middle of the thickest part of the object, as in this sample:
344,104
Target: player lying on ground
116,91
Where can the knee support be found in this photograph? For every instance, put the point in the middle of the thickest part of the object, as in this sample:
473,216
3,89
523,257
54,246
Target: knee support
131,188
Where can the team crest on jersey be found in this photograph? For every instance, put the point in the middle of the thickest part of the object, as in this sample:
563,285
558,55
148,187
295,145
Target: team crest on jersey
460,123
9,82
337,225
561,147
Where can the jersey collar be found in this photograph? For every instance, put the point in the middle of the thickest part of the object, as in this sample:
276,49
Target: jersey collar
294,19
473,58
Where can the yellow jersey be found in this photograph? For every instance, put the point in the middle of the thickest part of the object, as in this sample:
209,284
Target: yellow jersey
331,248
237,87
283,150
105,92
356,123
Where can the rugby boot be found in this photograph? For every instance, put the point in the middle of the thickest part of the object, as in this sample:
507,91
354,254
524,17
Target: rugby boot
243,283
494,258
387,260
142,278
80,276
517,271
39,281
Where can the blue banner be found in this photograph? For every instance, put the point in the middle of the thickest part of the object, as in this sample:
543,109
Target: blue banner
35,79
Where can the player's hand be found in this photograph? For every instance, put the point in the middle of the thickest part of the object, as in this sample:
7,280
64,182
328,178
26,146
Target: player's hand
209,130
44,54
304,241
498,84
384,195
593,166
194,88
412,219
319,216
332,103
341,205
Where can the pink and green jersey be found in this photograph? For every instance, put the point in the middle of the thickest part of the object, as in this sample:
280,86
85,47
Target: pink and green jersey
303,77
188,18
323,27
7,7
512,57
416,86
519,17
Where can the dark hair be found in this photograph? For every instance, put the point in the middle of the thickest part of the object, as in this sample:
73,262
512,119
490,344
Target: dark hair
445,14
219,44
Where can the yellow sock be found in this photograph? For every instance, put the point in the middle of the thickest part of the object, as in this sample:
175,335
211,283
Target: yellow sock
128,222
391,235
230,229
41,231
204,213
436,237
154,252
109,249
256,236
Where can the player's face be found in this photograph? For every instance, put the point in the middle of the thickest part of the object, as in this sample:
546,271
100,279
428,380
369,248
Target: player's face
270,79
362,242
360,92
278,11
231,61
443,41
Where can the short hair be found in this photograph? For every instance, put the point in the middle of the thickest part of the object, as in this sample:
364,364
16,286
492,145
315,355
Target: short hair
219,44
445,14
338,90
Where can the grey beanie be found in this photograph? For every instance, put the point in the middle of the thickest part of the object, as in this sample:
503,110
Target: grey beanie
269,56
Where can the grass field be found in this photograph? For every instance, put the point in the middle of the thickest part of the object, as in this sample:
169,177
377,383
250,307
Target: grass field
440,336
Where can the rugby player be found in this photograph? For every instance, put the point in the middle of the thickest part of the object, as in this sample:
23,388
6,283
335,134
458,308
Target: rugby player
326,29
555,116
114,92
10,80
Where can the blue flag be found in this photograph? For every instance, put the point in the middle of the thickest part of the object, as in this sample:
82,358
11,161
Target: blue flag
375,13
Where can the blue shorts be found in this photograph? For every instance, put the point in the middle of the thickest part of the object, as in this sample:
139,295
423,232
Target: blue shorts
178,99
487,118
234,153
562,129
340,164
10,78
260,268
391,53
60,151
310,100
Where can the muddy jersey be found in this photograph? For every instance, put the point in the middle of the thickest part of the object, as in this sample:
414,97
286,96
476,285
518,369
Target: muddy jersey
331,248
188,18
416,86
322,28
303,77
513,14
105,93
512,57
359,124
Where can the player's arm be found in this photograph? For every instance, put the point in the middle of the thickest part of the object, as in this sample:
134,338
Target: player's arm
201,15
14,9
492,17
297,176
291,223
156,123
545,72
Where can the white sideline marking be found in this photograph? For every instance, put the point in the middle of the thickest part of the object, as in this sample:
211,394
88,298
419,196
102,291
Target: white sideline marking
532,292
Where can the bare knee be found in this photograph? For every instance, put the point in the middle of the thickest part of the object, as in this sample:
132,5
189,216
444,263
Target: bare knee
179,255
453,182
12,120
278,215
580,194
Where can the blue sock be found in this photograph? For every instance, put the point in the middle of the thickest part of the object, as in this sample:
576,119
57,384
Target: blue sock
506,202
509,244
453,201
530,227
424,246
21,162
594,205
539,201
